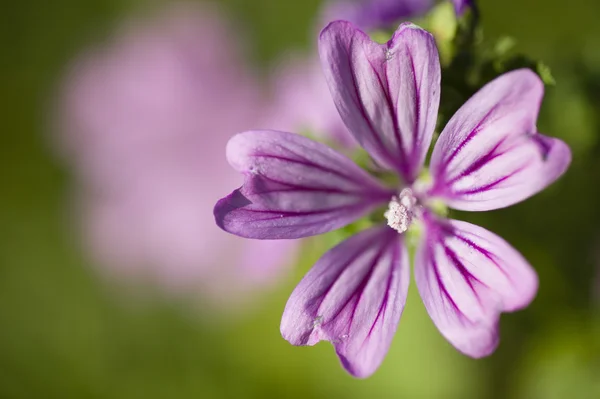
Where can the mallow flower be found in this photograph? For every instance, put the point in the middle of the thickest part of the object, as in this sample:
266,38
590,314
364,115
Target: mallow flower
301,100
379,14
460,6
489,156
375,14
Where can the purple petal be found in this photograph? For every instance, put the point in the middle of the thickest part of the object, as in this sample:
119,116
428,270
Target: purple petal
374,14
294,187
387,94
353,297
490,155
467,276
460,6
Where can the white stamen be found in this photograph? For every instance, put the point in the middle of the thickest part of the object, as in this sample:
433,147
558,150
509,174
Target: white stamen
401,211
317,321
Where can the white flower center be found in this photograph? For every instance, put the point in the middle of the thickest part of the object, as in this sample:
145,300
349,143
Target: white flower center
401,211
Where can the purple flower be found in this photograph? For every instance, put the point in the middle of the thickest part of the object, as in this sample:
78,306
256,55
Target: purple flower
489,156
378,14
143,121
460,6
301,100
375,14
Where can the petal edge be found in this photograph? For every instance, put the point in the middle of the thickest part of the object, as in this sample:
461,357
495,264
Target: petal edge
352,297
467,276
293,187
387,94
490,154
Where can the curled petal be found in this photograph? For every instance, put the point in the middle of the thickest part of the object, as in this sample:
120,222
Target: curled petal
387,94
293,187
467,276
490,155
353,297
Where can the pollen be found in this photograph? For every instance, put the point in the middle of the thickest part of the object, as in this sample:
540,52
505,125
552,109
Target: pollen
401,211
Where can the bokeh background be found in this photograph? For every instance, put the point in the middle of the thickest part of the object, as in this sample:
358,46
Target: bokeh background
68,329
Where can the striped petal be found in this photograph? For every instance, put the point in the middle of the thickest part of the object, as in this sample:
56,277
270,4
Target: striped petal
293,187
467,276
490,155
353,297
387,94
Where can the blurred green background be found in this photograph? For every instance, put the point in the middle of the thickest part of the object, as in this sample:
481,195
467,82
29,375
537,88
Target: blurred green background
65,333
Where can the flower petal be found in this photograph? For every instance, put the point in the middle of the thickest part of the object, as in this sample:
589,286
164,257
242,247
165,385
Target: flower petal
467,276
353,297
387,94
460,6
490,155
294,187
375,14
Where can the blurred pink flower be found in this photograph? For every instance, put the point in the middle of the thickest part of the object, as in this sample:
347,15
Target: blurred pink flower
145,121
375,14
302,102
301,98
